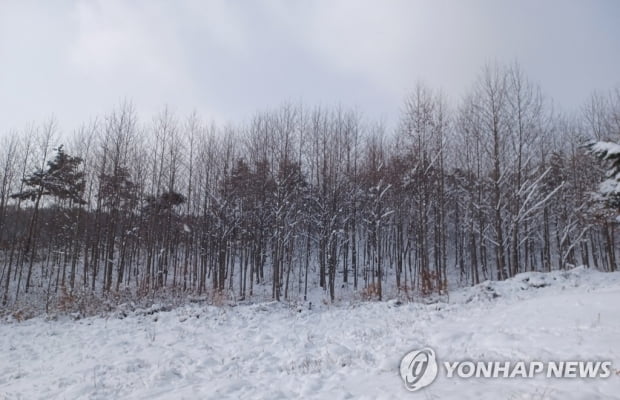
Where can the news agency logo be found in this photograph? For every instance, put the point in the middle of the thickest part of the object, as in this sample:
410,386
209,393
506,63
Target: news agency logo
419,368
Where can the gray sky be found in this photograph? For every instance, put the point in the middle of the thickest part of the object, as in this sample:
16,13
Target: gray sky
227,59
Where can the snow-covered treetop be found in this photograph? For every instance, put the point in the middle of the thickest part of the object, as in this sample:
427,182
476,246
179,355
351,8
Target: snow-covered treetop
605,150
609,189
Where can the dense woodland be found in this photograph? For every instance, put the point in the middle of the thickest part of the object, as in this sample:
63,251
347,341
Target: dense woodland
297,198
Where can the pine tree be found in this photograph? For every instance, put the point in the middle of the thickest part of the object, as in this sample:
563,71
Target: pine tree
61,179
609,189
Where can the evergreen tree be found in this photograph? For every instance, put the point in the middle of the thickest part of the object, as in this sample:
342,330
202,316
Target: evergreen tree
609,189
61,179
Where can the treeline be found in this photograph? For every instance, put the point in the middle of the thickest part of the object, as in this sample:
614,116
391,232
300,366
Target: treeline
298,198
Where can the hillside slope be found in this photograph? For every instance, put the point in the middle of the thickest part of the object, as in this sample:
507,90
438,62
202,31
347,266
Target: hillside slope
275,351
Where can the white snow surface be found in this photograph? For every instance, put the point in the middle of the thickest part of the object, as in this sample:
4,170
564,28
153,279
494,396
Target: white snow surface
279,351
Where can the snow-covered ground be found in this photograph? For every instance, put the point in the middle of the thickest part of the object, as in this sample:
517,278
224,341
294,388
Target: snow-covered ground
277,351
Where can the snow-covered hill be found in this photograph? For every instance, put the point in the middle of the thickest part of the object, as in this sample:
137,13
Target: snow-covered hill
277,351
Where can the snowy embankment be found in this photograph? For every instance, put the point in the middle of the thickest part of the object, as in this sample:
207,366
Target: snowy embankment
275,351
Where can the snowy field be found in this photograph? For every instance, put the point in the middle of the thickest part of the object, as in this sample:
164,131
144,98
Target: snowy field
277,351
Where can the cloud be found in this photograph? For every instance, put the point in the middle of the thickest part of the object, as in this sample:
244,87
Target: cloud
227,59
124,50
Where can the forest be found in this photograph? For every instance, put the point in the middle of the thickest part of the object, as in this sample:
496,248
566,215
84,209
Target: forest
302,198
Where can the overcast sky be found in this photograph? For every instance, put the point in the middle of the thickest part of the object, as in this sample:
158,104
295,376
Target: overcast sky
227,59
